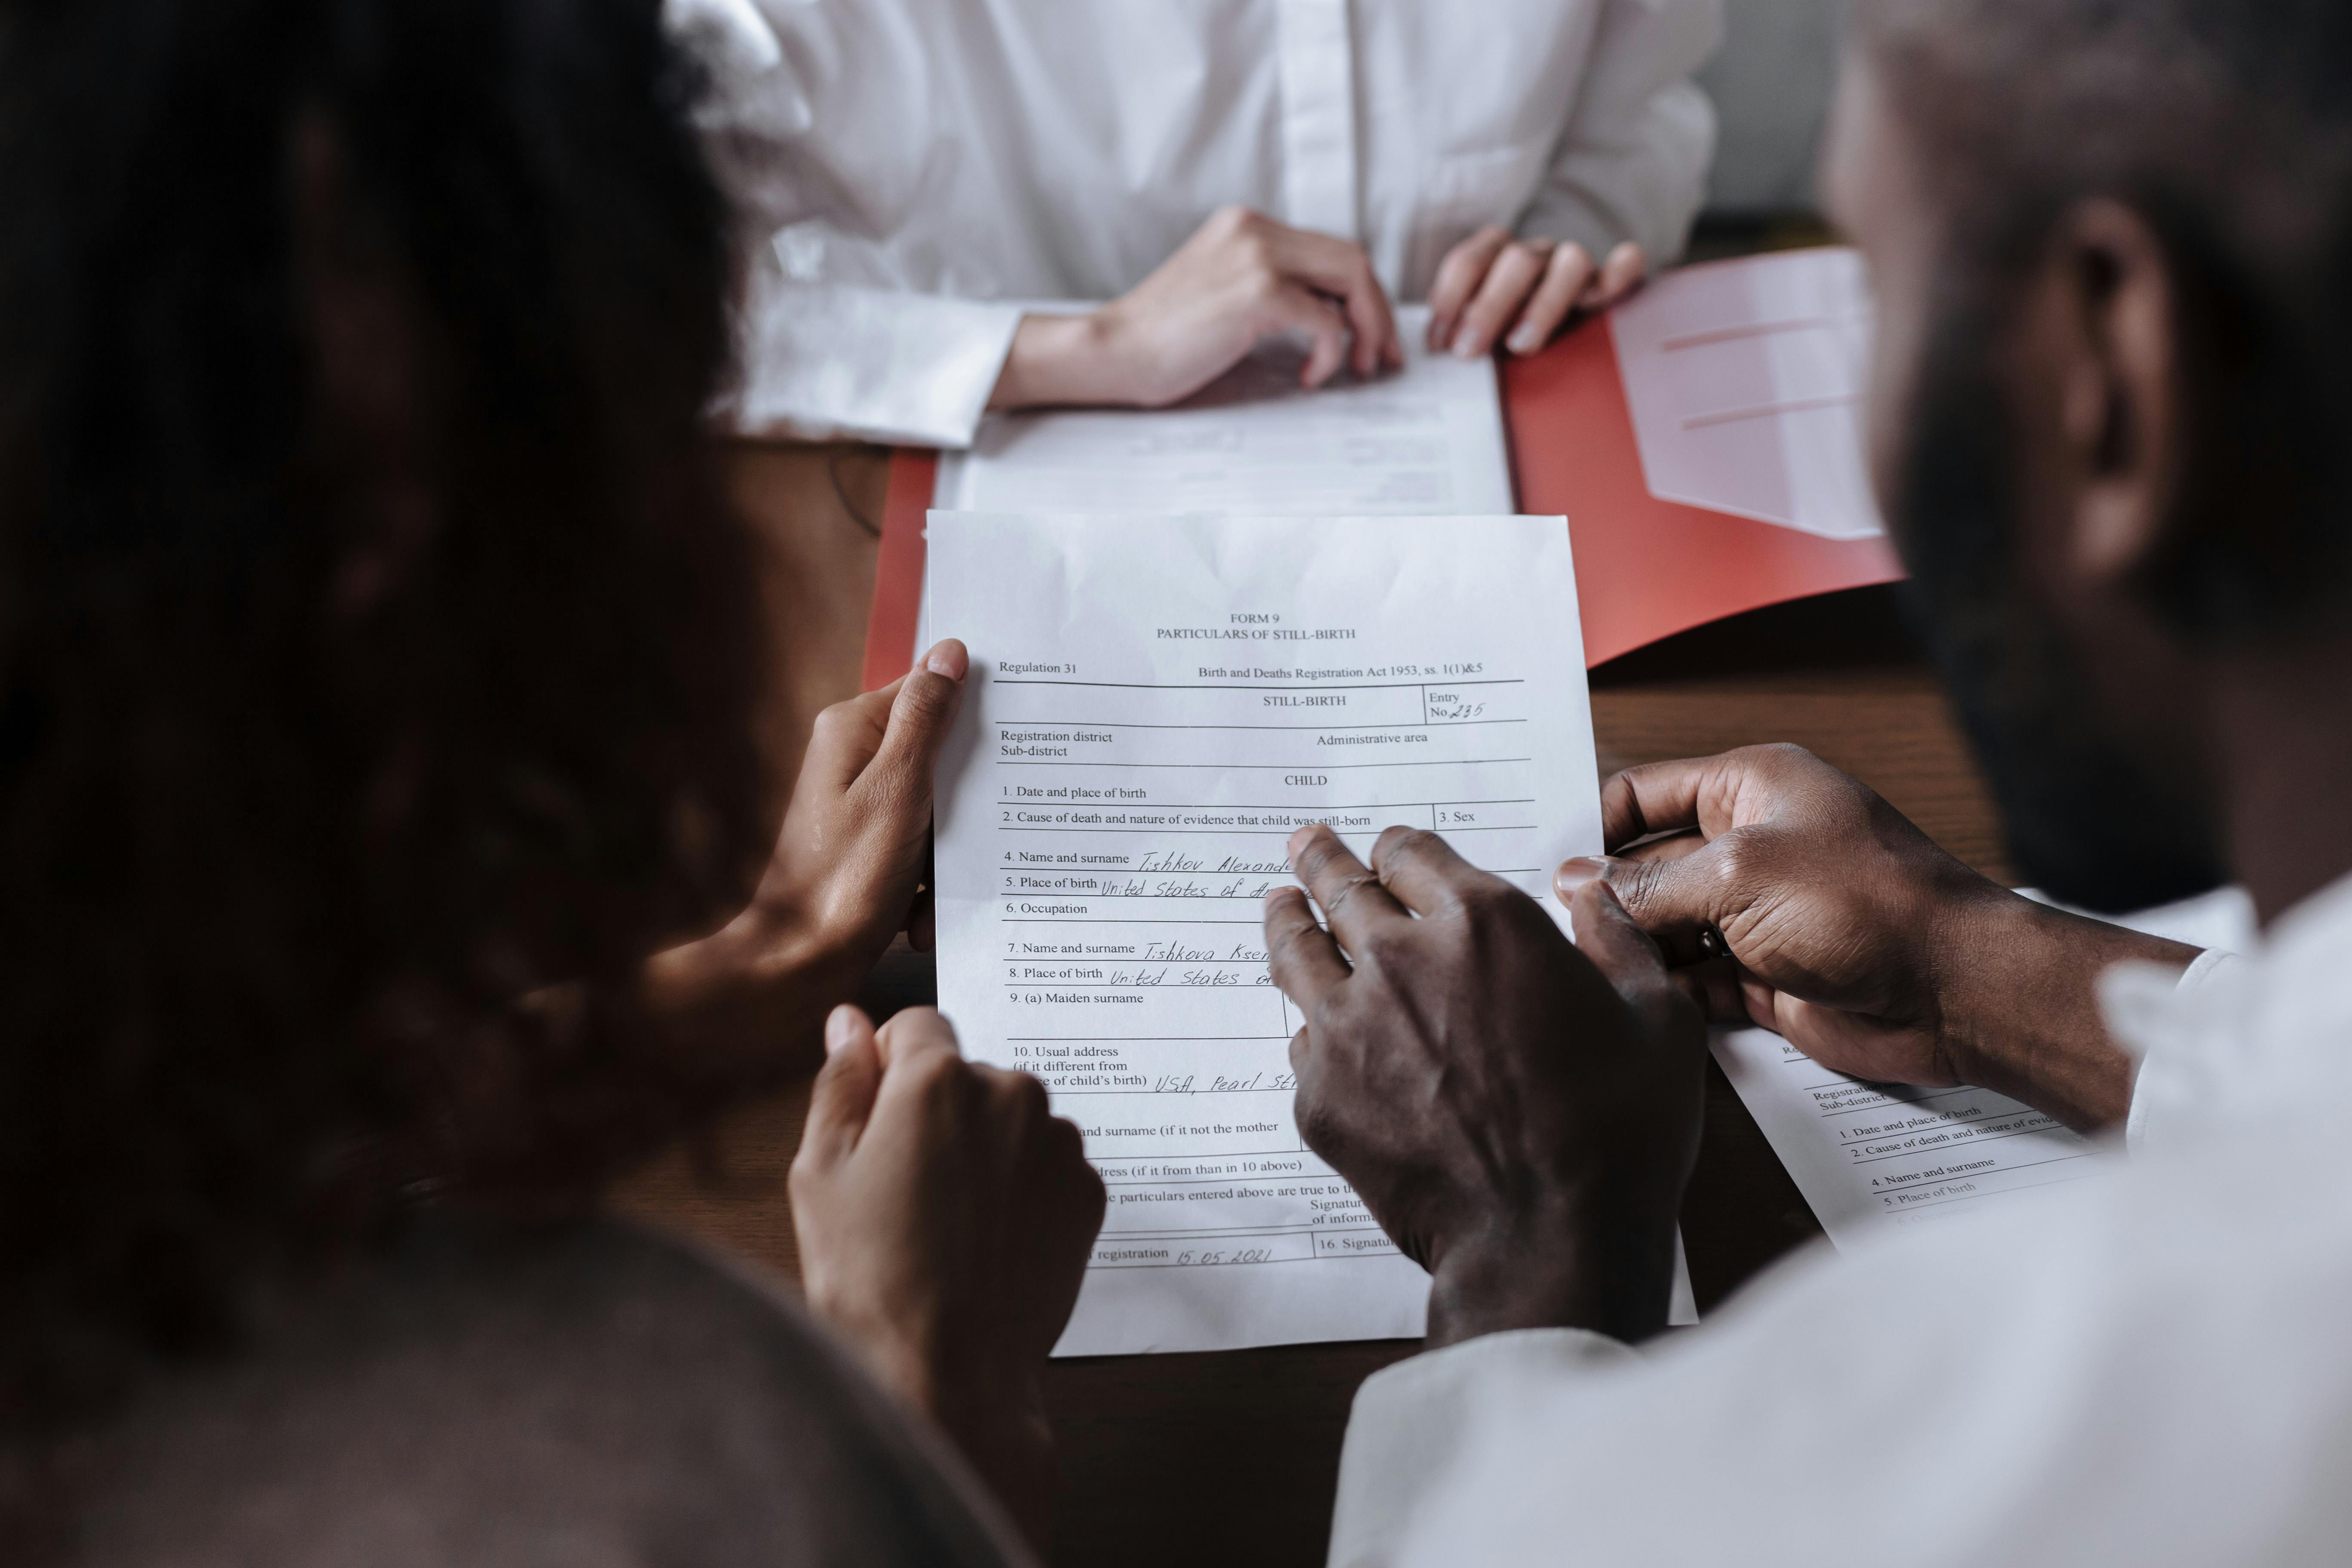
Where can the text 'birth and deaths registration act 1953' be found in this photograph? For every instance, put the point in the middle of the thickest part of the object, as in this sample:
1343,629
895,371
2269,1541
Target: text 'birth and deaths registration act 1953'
1156,705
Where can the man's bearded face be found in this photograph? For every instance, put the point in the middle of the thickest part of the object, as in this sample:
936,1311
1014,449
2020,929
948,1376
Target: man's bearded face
2089,821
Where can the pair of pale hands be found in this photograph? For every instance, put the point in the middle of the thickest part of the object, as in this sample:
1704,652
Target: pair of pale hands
1243,277
1519,1114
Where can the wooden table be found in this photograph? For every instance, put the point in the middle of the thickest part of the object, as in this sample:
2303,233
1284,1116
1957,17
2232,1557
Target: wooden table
1232,1458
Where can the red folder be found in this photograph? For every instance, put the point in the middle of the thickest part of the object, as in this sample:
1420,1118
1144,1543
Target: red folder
898,567
1645,568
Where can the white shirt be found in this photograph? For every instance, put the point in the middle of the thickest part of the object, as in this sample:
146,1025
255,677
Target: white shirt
908,169
2153,1366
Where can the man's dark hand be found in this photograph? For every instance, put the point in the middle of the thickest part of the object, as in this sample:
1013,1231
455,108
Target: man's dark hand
1519,1114
1854,935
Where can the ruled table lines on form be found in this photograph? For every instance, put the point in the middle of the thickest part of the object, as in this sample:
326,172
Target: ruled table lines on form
1078,821
1131,764
1868,1154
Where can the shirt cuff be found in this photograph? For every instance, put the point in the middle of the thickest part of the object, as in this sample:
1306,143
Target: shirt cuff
2151,1020
2203,966
1413,1418
823,360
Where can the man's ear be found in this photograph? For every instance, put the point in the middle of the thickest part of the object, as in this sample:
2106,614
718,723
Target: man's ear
2108,324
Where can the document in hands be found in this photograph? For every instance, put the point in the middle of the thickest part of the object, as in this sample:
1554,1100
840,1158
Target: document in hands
1155,705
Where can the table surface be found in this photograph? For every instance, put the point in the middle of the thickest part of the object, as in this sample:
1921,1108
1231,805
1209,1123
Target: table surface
1231,1457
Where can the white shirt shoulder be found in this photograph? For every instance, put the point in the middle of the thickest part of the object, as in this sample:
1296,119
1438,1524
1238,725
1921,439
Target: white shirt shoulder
2147,1366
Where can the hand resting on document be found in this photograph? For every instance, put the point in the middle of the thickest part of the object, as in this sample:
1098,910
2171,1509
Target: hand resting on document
1519,1114
846,874
1854,935
1240,277
1493,288
944,1216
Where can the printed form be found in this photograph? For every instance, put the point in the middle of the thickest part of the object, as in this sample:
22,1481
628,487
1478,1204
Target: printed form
1426,438
1866,1154
1155,705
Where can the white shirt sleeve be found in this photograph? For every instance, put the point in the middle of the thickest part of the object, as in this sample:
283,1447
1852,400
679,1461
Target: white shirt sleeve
825,359
2160,1021
1408,1418
822,358
2140,1367
1632,161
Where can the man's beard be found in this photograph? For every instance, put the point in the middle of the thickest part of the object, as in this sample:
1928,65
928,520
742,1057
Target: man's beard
2089,821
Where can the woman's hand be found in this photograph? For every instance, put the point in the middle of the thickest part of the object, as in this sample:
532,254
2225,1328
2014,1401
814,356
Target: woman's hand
847,876
1240,277
850,864
944,1216
1492,289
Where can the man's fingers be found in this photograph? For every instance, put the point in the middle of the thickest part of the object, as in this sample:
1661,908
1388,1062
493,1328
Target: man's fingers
1666,897
1339,267
1354,903
1458,277
1725,994
1672,847
1422,871
1563,282
1657,797
1855,1043
1713,794
1682,946
1621,950
1718,987
842,1100
1303,958
1717,794
1508,283
1301,1056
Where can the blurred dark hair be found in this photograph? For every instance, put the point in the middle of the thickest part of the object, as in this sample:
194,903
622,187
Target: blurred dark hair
2227,124
374,647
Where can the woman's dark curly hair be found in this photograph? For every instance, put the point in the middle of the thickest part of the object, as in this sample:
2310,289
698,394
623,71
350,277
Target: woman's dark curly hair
375,650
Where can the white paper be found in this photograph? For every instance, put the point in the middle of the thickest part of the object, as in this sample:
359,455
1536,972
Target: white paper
1745,380
1866,1156
1155,705
1425,439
